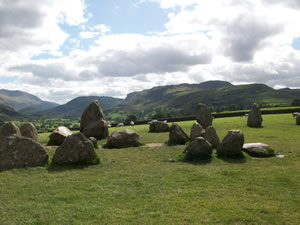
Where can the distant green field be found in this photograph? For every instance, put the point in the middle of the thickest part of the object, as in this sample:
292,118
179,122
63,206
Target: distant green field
265,109
149,186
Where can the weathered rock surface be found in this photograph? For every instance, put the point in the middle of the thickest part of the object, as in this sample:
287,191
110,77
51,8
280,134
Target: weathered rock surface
298,120
30,131
199,148
17,151
58,136
211,136
92,123
76,149
231,145
258,150
177,135
196,131
203,114
9,129
159,126
254,118
94,141
123,139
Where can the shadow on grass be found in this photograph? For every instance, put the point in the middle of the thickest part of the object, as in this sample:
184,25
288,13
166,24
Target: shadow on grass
234,159
53,168
202,160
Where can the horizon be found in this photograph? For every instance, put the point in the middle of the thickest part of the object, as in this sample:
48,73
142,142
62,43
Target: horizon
116,47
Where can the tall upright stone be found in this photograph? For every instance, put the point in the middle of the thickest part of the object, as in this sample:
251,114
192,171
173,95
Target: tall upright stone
196,131
177,135
29,130
231,145
203,114
9,129
254,118
92,123
211,136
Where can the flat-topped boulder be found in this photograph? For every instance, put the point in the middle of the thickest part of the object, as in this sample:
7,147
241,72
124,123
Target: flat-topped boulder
231,145
76,149
92,123
177,135
29,130
9,129
199,148
159,126
58,136
123,139
203,114
258,150
196,131
211,136
254,118
17,151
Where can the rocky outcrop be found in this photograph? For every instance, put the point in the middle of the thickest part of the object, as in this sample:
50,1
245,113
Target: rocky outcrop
158,126
17,151
177,135
123,139
30,131
254,117
9,129
58,136
196,131
199,148
203,114
92,123
231,145
258,150
76,149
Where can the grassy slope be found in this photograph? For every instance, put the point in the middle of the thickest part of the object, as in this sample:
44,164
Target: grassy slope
142,186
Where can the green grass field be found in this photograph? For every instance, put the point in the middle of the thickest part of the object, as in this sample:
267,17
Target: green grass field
145,186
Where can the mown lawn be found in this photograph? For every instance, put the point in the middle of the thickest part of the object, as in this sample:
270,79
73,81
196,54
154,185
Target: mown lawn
146,186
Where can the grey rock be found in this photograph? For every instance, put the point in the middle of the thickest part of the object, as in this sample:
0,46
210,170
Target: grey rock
203,114
76,149
29,130
123,139
97,129
94,141
231,145
196,131
254,118
199,148
298,120
92,123
58,136
120,125
9,129
17,151
177,135
211,136
258,150
158,126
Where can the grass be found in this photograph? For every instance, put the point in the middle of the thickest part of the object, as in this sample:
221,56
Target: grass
147,186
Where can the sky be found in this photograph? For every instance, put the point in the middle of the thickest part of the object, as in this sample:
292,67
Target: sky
62,49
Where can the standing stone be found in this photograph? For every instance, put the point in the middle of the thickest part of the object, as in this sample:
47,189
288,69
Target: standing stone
29,130
211,136
9,129
58,136
17,151
76,149
199,148
158,126
196,131
258,150
231,145
94,141
123,139
203,114
298,120
92,123
177,135
254,118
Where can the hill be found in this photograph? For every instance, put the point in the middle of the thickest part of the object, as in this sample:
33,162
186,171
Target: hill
76,106
182,99
8,113
24,102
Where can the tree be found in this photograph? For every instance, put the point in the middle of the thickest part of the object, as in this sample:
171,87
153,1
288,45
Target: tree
296,102
131,117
